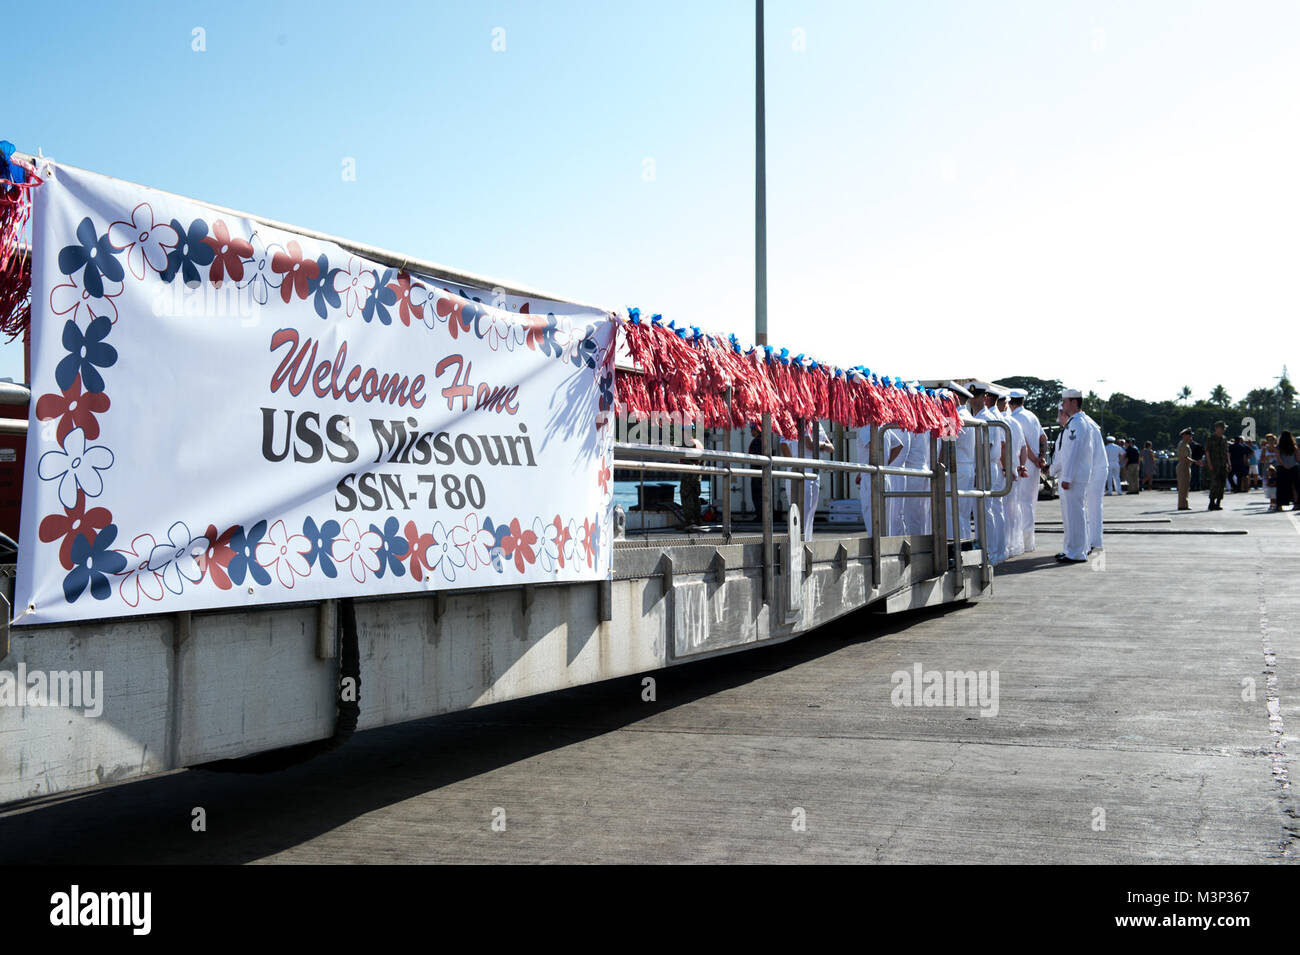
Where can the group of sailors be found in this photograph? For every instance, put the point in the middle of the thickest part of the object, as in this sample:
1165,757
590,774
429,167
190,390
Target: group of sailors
1079,464
1008,519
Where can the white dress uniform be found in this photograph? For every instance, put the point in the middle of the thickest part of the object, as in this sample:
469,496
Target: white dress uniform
1028,487
1011,503
811,489
994,513
964,452
896,482
916,510
862,445
1113,455
1075,457
1096,484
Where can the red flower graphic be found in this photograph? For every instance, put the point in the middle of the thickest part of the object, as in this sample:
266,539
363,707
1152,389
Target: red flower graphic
519,544
73,521
603,478
406,309
216,558
228,254
588,543
561,538
298,272
416,545
73,409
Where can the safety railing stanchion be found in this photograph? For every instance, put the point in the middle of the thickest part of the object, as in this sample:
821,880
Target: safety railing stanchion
938,552
769,572
983,482
877,502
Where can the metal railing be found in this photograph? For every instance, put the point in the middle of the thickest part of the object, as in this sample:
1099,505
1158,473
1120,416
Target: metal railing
943,490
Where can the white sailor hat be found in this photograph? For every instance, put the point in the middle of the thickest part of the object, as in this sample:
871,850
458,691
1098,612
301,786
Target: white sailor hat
1072,393
1017,393
1110,439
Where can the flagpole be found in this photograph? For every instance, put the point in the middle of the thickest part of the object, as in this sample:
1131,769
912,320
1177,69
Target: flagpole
760,188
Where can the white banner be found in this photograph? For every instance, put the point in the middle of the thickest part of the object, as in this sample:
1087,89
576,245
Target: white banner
229,415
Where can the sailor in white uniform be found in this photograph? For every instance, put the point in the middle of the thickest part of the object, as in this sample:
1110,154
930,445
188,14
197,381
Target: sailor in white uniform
994,512
964,453
1096,484
1034,462
811,489
1075,456
916,510
862,445
1113,454
1011,506
897,482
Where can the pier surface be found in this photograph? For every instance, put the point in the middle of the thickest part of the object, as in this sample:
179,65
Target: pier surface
1147,711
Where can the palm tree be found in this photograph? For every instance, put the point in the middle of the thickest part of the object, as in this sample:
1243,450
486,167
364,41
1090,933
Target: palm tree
1219,396
1185,393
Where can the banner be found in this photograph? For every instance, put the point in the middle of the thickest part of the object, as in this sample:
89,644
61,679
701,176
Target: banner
230,415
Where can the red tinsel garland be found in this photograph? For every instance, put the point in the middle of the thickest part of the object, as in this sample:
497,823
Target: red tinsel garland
690,375
15,256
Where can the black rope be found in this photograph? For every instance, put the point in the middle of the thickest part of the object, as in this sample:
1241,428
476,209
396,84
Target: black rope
345,723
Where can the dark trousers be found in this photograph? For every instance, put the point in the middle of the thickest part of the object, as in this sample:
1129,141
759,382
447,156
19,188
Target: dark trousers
1218,477
756,492
1239,479
1288,486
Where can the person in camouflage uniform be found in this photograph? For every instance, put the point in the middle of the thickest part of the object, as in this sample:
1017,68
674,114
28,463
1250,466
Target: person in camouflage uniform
1216,462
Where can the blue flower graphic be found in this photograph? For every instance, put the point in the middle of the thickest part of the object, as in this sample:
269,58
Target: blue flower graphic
190,253
244,544
84,353
321,289
606,392
379,300
96,255
585,351
499,533
322,539
91,564
393,549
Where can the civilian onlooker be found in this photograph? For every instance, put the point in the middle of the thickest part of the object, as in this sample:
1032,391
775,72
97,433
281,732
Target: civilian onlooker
1239,465
1132,465
1288,473
1216,464
1267,470
1253,472
1148,466
1184,467
756,483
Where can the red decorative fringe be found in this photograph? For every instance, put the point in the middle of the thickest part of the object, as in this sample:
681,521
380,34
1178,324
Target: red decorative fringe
691,375
15,254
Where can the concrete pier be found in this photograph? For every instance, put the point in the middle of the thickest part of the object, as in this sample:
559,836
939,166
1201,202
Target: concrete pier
1146,711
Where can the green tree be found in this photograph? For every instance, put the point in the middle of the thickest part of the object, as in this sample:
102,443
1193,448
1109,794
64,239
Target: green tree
1185,393
1219,397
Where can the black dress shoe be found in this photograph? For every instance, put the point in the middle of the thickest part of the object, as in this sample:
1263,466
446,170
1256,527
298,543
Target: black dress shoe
1062,559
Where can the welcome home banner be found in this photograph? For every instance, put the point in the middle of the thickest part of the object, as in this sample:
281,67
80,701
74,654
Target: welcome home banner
229,415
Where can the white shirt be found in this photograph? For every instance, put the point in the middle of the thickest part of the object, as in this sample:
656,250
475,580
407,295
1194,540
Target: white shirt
1076,452
1032,429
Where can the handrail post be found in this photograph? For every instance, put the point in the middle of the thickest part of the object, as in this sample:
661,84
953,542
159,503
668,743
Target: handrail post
877,501
938,540
769,556
983,480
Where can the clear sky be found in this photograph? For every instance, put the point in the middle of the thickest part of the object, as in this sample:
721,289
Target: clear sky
1074,190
